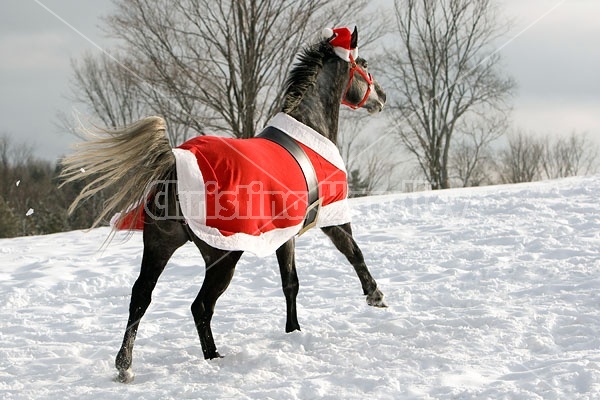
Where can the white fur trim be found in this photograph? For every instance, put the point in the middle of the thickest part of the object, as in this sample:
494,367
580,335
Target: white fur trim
327,33
310,138
114,219
261,246
336,213
344,54
190,186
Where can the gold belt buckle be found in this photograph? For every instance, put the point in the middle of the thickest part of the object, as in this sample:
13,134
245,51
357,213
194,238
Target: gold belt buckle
317,205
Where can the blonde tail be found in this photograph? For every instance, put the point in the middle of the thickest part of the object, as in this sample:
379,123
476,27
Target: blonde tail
128,159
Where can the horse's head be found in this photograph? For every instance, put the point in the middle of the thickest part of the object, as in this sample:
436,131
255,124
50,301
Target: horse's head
362,91
329,73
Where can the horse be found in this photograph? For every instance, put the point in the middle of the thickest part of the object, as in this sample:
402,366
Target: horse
325,75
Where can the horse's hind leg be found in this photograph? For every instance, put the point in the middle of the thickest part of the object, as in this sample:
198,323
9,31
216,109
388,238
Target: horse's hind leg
161,239
341,236
220,265
289,281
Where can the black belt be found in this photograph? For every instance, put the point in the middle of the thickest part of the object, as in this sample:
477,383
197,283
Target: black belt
310,176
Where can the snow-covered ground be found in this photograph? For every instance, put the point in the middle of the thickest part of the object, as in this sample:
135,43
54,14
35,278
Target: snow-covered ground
493,292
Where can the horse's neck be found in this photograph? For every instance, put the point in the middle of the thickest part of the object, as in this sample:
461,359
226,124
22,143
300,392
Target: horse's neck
320,106
312,115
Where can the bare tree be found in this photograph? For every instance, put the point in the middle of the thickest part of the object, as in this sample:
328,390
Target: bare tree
521,160
569,156
14,155
14,158
108,89
471,162
222,63
112,94
370,156
26,183
443,71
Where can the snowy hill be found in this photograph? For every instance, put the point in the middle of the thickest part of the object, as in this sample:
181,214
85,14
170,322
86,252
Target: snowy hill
493,293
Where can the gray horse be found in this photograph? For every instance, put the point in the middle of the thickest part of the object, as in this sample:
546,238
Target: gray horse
133,158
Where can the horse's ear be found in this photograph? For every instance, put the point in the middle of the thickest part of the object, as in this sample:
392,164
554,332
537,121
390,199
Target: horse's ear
354,39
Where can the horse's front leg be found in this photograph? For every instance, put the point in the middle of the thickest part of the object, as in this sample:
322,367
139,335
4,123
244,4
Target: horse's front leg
289,281
341,236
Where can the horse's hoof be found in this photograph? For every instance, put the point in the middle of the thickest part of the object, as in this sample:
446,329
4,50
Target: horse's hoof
291,328
376,299
125,376
214,356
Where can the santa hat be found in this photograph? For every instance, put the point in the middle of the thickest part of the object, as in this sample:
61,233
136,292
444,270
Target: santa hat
341,40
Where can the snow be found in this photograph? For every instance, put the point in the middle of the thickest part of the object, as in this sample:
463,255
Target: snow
493,293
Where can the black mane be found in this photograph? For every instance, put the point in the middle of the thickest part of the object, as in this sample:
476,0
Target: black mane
304,73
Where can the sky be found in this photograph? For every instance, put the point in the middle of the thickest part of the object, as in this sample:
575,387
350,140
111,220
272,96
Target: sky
550,51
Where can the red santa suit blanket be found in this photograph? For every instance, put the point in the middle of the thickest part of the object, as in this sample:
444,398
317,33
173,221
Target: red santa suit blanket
251,194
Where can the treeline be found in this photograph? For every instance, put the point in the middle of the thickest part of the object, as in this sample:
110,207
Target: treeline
30,201
525,157
515,157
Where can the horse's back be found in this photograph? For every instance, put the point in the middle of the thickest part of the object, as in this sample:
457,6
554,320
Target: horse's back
251,185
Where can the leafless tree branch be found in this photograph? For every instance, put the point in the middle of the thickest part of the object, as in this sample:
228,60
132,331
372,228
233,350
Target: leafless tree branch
444,70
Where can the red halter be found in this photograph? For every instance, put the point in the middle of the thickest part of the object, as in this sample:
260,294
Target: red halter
354,67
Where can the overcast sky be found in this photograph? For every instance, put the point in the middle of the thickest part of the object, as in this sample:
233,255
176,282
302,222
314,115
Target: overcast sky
554,57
